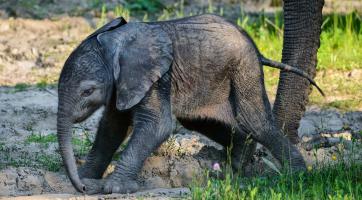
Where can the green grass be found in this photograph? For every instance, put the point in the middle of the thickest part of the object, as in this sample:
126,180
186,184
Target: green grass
51,163
42,84
39,160
144,5
348,104
21,87
333,182
339,58
42,139
340,178
81,146
341,40
340,50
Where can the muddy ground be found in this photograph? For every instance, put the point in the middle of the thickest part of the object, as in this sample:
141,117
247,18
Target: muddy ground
32,53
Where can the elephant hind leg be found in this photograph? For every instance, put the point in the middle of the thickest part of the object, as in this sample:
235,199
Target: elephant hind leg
228,136
216,131
253,113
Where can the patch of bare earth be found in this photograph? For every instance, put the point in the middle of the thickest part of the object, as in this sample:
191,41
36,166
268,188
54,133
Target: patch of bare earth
34,50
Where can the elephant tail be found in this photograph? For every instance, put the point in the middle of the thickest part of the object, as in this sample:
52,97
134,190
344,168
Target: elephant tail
285,67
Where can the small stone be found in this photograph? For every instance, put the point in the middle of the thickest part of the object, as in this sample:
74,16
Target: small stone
306,128
184,172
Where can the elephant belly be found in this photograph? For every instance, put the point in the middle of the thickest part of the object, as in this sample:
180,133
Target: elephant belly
198,92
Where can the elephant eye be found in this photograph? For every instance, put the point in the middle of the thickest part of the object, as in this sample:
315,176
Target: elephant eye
87,92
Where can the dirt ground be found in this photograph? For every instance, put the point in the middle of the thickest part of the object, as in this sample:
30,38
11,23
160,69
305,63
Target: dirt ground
32,53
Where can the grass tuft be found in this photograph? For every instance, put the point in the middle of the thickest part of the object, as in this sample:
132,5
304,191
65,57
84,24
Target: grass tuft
340,181
21,87
41,139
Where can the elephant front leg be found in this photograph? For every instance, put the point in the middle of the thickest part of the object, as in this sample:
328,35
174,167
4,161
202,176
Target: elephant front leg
111,132
152,126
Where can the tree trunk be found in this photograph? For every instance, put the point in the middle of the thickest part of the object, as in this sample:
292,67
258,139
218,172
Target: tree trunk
302,19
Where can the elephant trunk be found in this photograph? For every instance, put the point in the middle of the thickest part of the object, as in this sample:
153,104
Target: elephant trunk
302,19
64,132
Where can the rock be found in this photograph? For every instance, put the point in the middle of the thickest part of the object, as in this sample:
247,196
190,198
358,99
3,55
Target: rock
190,144
184,172
157,182
306,128
156,165
354,121
325,121
333,122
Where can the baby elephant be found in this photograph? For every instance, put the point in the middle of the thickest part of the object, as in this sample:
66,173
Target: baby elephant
202,69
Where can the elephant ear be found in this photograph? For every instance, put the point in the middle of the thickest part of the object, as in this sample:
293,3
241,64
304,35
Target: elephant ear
109,26
139,54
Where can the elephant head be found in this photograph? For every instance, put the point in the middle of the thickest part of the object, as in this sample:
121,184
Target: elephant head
84,85
93,73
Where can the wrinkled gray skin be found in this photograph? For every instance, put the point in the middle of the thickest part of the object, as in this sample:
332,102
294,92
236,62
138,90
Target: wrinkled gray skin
202,69
302,28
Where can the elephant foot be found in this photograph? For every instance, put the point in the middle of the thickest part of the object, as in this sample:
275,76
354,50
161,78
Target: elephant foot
93,186
123,186
108,186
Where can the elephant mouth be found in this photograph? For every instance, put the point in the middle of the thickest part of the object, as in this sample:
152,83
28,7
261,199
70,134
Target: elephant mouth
79,120
85,115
